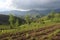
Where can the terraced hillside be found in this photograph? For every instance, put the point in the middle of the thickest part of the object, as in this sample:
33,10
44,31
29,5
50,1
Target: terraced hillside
47,33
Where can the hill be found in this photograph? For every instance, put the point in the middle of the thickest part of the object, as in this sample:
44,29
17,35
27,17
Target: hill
44,28
4,19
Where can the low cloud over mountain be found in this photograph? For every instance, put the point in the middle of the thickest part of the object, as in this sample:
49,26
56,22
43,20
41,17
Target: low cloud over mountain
36,4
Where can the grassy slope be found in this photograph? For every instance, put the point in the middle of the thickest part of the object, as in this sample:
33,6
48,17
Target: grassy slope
34,26
47,33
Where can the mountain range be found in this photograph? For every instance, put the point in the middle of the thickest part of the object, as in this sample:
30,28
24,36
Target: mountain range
30,12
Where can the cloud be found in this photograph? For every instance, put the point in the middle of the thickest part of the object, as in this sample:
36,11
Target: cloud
4,4
36,4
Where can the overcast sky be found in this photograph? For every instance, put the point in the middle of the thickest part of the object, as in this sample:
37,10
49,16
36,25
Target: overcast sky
24,5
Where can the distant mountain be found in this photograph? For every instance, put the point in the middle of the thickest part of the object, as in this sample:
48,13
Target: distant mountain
31,12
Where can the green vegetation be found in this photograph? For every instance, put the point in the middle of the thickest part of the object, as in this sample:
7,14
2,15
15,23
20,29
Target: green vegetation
11,20
17,23
31,24
50,19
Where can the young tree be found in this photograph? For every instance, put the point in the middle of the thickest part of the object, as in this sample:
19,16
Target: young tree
27,18
11,20
17,23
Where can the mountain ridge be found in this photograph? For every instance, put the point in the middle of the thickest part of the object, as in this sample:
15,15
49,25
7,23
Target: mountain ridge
33,11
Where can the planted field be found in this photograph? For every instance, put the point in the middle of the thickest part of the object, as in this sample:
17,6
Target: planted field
46,33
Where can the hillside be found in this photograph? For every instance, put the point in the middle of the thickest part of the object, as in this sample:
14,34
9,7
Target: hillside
29,19
44,28
47,33
4,19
